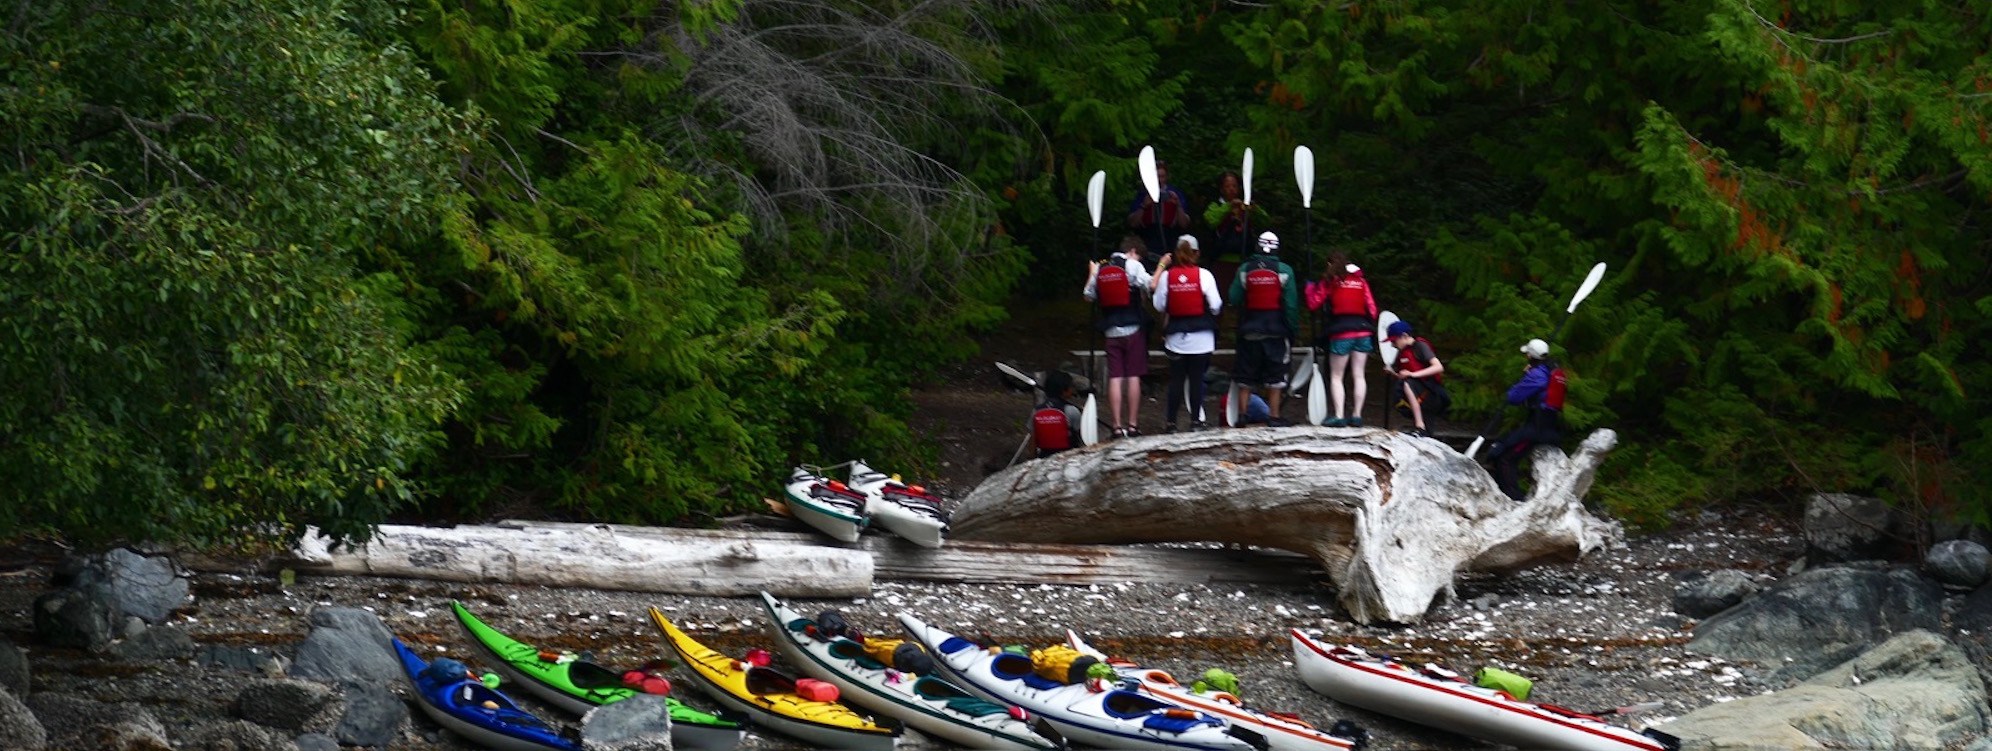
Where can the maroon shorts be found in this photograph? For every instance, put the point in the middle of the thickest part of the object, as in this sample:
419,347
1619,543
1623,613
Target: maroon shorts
1127,356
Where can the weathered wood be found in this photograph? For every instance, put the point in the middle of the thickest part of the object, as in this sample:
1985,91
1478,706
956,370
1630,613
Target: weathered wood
980,562
1392,518
596,556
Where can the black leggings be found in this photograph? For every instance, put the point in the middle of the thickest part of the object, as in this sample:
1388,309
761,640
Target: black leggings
1186,369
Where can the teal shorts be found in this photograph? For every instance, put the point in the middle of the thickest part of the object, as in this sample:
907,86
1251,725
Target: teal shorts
1346,346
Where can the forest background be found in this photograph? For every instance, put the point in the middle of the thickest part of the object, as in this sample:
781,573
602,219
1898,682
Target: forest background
269,263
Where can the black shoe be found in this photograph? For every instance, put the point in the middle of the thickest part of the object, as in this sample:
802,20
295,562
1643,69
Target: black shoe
1120,432
1196,425
1169,428
1133,432
1417,432
1277,423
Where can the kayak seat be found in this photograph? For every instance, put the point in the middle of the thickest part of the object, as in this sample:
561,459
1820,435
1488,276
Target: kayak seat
955,644
1127,704
1015,667
855,652
769,681
591,675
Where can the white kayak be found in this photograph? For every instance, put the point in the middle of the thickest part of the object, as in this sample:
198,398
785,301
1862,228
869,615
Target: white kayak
1439,698
923,702
1110,718
825,504
906,510
1282,732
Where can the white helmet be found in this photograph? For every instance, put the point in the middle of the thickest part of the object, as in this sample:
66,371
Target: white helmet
1536,349
1269,242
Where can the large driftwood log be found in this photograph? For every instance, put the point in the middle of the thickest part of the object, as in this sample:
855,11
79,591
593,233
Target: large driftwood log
1392,518
596,556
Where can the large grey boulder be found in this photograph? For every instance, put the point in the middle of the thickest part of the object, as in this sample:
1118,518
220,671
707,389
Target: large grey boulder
1916,691
13,667
77,722
374,716
290,705
234,735
1821,617
1959,563
316,742
1721,590
1841,527
18,727
148,586
347,645
82,615
1393,519
639,723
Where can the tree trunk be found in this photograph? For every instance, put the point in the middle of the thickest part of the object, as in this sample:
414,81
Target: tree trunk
1392,518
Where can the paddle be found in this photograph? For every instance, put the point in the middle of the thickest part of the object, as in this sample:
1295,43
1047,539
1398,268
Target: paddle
1389,351
1152,182
1583,291
1232,404
1096,195
1303,175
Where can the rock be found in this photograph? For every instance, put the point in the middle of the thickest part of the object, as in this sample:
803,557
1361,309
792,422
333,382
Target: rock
132,626
250,659
373,716
316,742
160,643
1959,563
289,705
1916,691
18,727
234,735
82,616
1841,527
147,586
1821,617
76,722
13,668
347,645
1718,591
639,723
1982,744
1393,519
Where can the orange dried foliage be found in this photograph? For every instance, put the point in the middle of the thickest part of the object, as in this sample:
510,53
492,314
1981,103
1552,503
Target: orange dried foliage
1833,313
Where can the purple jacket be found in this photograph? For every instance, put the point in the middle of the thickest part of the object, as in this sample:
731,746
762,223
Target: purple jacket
1530,389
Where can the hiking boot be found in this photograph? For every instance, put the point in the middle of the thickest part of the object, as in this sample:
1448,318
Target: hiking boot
1277,423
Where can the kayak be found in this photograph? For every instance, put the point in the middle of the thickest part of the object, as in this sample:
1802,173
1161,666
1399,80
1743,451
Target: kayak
448,694
769,700
1440,698
1107,718
924,702
906,510
578,686
1282,732
829,506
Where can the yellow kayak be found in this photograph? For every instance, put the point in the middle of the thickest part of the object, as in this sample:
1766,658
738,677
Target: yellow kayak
769,700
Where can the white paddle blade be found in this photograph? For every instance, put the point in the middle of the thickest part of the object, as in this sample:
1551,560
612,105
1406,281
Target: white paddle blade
1017,375
1089,422
1303,175
1248,175
1383,339
1231,409
1317,398
1590,283
1302,375
1150,180
1096,195
1473,449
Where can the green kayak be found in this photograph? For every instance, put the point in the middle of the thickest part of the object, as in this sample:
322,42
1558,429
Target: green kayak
561,683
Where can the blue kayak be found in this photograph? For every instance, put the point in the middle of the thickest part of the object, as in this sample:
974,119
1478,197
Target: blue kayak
455,699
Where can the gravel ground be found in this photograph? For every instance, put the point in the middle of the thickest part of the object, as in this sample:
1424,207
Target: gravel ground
1596,633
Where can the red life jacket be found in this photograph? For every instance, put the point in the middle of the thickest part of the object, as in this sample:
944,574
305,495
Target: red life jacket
1348,296
1050,428
1186,298
1111,287
1552,397
1262,288
1407,359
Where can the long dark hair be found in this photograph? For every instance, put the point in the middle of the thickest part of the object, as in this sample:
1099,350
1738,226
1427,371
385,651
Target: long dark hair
1337,261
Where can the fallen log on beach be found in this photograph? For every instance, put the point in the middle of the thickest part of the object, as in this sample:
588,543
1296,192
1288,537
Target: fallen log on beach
1392,518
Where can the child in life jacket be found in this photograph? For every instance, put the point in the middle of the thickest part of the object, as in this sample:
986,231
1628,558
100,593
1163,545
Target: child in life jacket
1540,390
1423,393
1343,298
1055,424
1120,288
1188,296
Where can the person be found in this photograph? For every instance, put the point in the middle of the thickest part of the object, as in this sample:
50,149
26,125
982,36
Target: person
1540,391
1343,298
1229,218
1255,411
1188,295
1120,287
1171,217
1055,424
1423,378
1271,317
